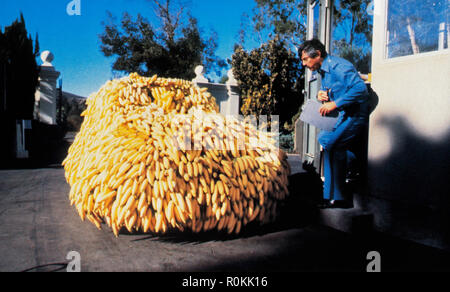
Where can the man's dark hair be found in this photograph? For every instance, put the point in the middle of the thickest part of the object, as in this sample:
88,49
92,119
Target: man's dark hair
311,46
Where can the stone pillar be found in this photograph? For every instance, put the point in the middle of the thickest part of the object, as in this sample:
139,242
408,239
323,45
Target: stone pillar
226,95
46,94
233,94
298,137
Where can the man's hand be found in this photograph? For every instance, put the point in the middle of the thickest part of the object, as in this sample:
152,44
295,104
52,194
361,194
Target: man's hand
327,108
323,95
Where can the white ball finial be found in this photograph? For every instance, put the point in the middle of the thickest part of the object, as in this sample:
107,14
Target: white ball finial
231,79
47,57
199,71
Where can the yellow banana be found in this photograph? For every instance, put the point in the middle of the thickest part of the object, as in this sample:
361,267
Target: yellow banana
134,171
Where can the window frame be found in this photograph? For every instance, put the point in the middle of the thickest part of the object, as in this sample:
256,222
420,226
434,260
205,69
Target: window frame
386,58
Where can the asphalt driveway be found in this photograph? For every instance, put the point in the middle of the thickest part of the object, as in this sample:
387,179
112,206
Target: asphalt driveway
38,229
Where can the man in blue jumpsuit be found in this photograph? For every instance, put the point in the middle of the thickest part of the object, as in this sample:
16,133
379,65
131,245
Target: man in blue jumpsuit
342,89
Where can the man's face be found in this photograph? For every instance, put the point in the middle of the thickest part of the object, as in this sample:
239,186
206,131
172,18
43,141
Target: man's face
311,63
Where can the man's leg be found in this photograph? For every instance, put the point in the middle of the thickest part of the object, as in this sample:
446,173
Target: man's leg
334,167
335,144
353,163
327,171
339,162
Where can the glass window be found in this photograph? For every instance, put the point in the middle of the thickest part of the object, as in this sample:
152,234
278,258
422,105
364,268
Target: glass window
417,26
316,20
352,30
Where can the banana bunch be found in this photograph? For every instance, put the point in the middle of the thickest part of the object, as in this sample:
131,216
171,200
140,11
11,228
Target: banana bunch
154,154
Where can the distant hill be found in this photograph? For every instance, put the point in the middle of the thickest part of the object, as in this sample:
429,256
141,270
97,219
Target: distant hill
72,106
71,97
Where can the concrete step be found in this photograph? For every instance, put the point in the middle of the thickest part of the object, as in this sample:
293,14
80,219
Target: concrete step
353,220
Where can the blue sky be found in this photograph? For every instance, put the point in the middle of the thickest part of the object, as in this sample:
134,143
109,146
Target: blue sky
74,39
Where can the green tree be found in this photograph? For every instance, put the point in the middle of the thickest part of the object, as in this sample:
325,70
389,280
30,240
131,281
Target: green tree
357,56
269,81
351,17
16,51
282,18
352,26
71,109
353,32
172,49
270,76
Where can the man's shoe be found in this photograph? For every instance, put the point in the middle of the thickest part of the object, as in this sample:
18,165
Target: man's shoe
341,204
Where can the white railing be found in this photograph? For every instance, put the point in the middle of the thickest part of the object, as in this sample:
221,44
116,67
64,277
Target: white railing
227,95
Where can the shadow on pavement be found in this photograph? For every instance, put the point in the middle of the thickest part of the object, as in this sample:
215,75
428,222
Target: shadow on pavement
47,152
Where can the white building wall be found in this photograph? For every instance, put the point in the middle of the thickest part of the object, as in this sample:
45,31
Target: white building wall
409,138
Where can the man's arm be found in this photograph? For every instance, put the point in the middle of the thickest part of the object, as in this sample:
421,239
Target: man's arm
356,88
327,108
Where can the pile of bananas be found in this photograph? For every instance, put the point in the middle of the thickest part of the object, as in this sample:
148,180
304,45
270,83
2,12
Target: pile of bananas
154,154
